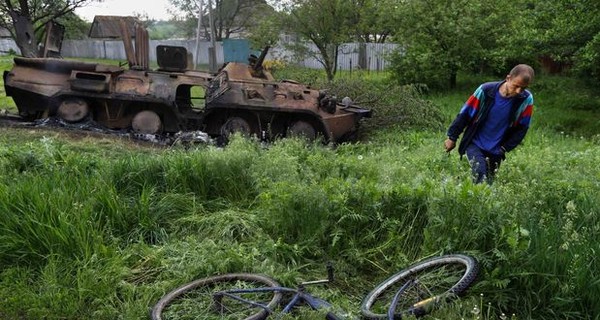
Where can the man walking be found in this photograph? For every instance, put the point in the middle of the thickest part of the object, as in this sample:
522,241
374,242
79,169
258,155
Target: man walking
495,119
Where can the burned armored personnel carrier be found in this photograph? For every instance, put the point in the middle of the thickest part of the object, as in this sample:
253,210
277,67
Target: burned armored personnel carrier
238,98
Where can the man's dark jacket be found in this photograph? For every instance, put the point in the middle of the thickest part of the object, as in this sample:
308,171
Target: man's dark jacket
476,110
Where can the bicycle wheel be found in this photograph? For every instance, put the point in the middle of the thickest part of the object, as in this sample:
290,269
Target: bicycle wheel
436,280
196,300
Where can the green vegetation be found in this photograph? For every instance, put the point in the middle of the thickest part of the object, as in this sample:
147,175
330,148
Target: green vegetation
440,39
96,227
167,30
6,103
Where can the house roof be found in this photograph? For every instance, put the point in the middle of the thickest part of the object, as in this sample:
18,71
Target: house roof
4,33
110,26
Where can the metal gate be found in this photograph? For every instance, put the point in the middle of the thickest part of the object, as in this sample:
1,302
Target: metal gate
236,50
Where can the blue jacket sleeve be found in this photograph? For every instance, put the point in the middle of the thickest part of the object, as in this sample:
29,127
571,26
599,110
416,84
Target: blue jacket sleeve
466,114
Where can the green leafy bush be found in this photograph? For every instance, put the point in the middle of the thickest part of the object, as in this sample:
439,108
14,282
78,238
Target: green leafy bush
394,106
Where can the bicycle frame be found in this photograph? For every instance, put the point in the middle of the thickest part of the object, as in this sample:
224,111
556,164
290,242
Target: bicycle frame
299,296
444,285
315,303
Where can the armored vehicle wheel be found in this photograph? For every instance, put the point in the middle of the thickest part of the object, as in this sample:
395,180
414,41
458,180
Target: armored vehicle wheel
73,110
235,124
146,121
302,129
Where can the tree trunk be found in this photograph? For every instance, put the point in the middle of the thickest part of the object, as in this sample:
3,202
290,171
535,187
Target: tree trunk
330,67
452,78
362,56
25,40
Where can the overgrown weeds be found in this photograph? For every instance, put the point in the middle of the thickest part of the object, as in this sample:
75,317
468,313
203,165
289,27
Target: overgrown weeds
103,233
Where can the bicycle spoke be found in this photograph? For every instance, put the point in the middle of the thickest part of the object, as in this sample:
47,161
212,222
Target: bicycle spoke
429,283
202,303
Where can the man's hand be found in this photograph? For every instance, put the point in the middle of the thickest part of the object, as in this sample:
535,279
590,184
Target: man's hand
449,144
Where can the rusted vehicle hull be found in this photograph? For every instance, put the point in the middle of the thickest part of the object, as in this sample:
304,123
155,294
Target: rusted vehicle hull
266,108
111,96
162,101
239,98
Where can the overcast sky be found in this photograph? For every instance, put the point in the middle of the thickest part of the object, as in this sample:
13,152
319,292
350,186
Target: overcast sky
156,9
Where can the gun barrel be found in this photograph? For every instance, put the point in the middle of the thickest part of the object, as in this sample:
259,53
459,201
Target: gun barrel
261,59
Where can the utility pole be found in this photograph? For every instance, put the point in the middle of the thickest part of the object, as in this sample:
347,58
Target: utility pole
212,53
198,31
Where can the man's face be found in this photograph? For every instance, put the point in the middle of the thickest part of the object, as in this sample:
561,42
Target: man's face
514,86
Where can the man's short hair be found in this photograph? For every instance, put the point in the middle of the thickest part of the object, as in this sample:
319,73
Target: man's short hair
524,71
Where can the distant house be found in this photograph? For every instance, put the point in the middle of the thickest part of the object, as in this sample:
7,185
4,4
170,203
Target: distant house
110,26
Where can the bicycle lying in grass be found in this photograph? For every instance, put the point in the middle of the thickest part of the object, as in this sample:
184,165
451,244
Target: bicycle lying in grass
412,291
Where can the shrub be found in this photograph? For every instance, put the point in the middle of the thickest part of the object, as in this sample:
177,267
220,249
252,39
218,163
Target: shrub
394,106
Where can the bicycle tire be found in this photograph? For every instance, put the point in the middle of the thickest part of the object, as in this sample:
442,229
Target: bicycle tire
228,280
466,269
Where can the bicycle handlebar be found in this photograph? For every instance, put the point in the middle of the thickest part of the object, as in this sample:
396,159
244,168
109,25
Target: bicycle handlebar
329,279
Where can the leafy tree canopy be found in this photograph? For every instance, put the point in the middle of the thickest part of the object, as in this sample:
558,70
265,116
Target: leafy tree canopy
230,17
370,20
560,34
323,23
441,38
26,19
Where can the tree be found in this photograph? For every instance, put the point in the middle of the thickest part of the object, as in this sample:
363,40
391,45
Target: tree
559,33
323,23
371,20
172,29
26,19
75,27
266,32
440,38
230,17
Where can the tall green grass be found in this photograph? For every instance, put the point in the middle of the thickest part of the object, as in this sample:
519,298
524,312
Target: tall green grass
103,232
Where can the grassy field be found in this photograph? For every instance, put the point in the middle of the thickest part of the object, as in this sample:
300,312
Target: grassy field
100,228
